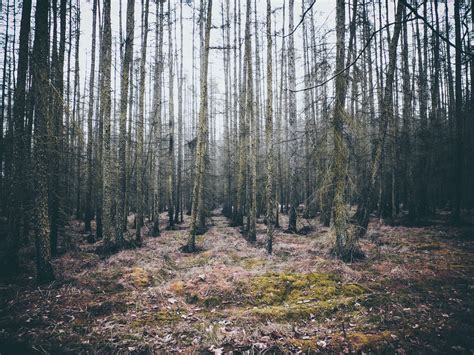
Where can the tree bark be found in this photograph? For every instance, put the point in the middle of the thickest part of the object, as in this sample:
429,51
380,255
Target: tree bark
363,210
456,212
17,197
171,154
293,124
202,134
269,135
140,169
105,112
121,218
90,181
41,158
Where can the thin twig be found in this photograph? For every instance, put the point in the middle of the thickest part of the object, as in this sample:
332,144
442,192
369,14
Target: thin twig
357,58
301,20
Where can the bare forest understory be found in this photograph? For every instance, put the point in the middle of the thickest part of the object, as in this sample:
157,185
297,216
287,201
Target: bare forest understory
412,292
145,144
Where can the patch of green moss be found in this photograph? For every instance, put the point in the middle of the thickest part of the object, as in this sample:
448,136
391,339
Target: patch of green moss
361,341
79,326
177,287
191,298
292,311
306,345
430,246
156,319
212,301
209,302
195,261
105,280
106,307
140,277
199,239
294,296
251,263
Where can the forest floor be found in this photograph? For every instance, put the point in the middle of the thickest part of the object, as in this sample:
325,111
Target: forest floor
412,293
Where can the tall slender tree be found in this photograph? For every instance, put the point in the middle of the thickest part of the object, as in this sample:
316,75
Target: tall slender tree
140,169
124,88
201,137
269,134
90,113
292,121
105,112
17,198
252,121
171,153
41,158
157,104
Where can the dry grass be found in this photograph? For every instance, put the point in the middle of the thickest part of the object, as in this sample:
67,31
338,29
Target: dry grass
413,292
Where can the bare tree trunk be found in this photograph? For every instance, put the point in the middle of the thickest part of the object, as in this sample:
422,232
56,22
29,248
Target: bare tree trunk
157,115
363,211
57,146
171,155
456,212
140,170
202,133
121,218
406,129
90,181
227,208
41,158
17,198
269,134
243,139
99,141
252,215
179,211
105,112
2,111
77,115
293,123
344,243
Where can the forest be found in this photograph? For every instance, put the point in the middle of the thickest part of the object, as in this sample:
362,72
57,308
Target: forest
236,176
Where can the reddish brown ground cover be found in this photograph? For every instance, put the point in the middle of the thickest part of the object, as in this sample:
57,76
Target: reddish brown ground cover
412,293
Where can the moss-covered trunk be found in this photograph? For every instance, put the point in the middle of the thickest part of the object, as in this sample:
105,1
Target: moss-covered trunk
201,138
41,156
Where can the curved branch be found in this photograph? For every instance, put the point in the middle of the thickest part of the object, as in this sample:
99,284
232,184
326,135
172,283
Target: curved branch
301,20
358,55
445,39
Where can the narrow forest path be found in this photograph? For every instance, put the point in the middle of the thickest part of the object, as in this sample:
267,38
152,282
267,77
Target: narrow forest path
232,296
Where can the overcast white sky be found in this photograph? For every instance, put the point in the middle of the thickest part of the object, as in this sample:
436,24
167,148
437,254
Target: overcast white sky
324,11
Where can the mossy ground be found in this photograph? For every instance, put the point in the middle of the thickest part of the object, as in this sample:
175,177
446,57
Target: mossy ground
290,296
412,293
